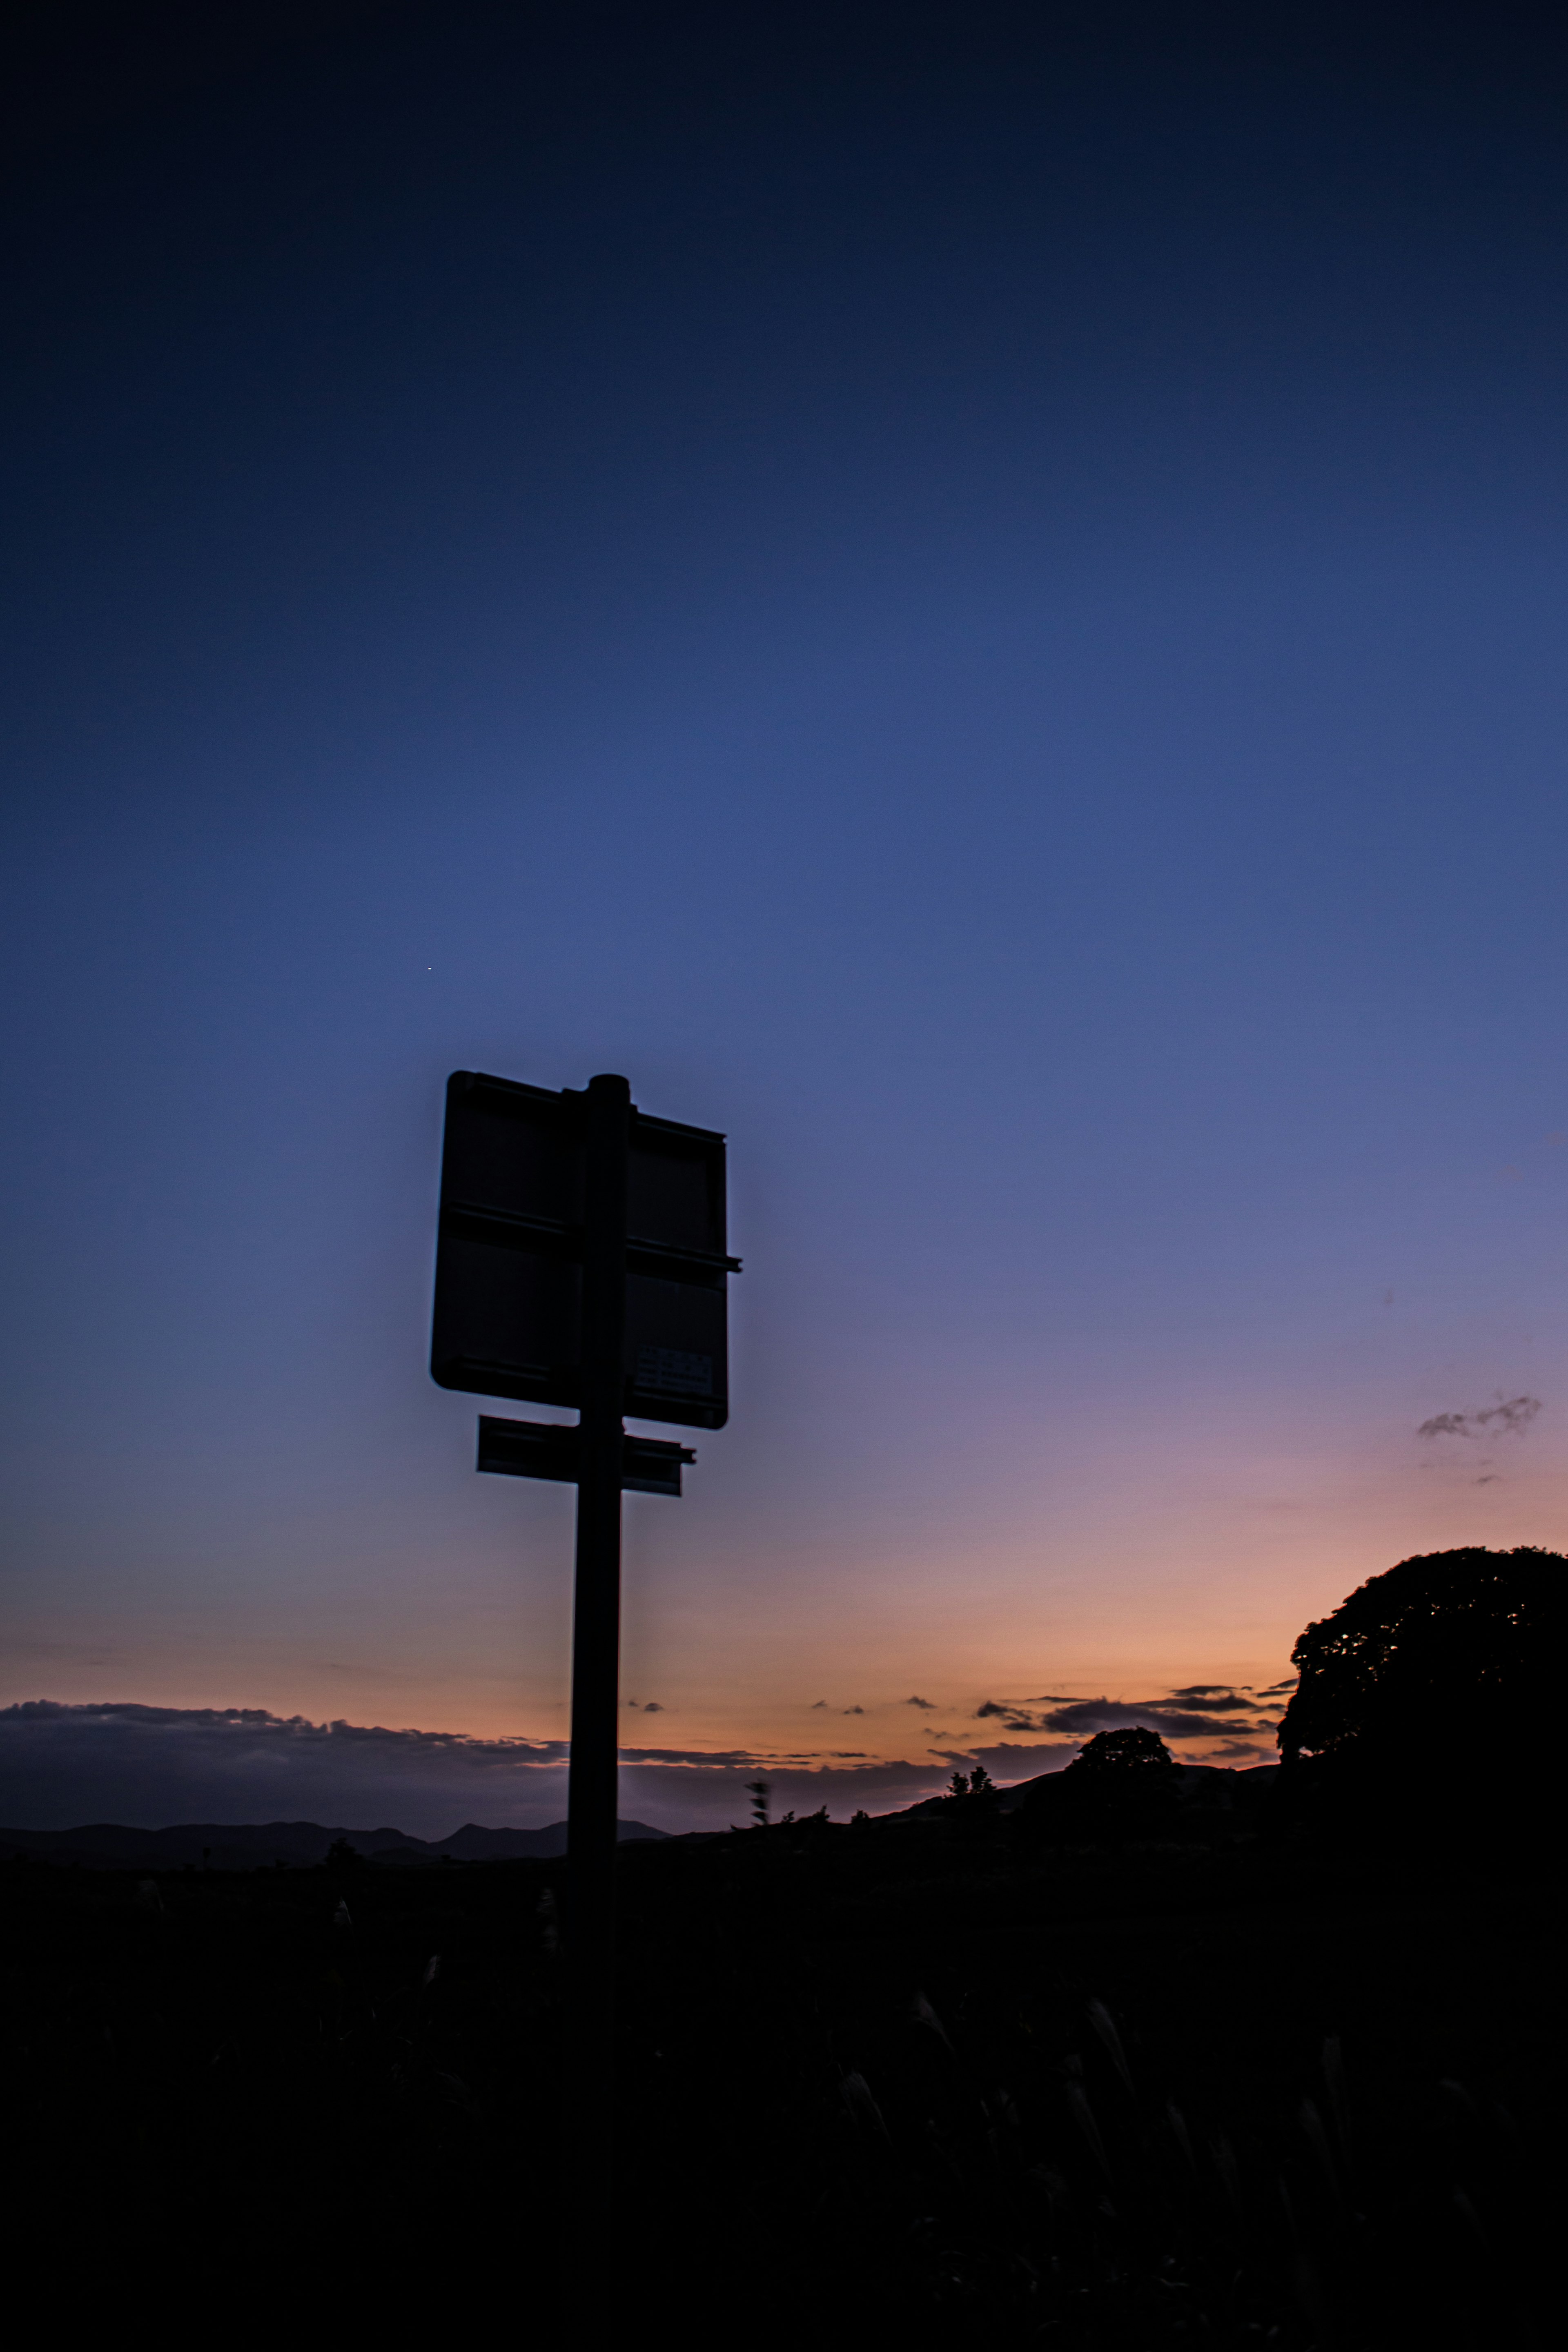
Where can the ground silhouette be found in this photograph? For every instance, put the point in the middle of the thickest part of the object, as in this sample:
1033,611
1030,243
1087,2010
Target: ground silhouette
1224,2086
1144,2059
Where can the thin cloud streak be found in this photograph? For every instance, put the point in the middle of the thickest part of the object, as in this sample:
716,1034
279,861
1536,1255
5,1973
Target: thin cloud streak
1216,1702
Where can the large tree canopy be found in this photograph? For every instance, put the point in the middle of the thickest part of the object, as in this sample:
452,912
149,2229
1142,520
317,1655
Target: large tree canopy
1458,1647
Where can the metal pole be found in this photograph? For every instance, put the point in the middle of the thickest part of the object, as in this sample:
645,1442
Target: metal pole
591,1808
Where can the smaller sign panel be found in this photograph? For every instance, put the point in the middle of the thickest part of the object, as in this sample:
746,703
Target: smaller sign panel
541,1449
509,1276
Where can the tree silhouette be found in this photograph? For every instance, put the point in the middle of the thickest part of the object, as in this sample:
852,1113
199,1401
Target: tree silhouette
1122,1785
963,1787
973,1804
343,1860
1123,1758
1449,1647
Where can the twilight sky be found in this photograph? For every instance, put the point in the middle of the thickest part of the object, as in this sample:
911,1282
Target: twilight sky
971,594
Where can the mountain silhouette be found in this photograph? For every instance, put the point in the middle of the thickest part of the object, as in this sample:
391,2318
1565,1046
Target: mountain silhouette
298,1845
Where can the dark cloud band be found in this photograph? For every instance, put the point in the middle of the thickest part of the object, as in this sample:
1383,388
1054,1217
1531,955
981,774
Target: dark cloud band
148,1767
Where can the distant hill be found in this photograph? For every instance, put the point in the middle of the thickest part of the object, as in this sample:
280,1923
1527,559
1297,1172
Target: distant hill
244,1846
1220,1788
300,1845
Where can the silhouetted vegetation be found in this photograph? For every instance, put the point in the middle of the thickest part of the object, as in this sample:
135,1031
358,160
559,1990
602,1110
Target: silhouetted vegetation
1123,1786
343,1860
976,1792
1218,2088
1427,1697
1152,2060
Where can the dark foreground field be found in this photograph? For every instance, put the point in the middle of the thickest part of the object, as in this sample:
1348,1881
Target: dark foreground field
889,2079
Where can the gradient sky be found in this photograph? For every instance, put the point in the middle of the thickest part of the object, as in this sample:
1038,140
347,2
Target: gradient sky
972,595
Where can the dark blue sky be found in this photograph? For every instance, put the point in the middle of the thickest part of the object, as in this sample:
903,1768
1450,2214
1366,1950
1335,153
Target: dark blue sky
973,596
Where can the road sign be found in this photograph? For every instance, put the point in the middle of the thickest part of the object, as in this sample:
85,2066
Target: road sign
509,1269
581,1260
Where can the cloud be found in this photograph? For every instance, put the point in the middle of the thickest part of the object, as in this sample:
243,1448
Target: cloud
1513,1414
1015,1761
1010,1759
1280,1690
1088,1716
1011,1718
853,1710
816,1703
149,1767
62,1767
930,1705
1197,1712
686,1789
1509,1417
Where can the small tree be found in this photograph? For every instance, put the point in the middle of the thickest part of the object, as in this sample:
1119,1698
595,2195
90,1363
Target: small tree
971,1803
343,1861
759,1791
1133,1755
1121,1785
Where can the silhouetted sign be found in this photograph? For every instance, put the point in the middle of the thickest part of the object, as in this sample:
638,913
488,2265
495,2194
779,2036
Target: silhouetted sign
542,1449
509,1279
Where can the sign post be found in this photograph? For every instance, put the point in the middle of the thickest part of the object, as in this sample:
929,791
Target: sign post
591,1808
581,1261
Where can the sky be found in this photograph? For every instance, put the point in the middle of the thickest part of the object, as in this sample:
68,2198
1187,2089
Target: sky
973,596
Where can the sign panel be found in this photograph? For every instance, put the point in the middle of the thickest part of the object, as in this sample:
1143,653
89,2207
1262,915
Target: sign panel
509,1257
540,1449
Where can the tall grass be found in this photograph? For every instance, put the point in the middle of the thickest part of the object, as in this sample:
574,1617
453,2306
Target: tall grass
871,2082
